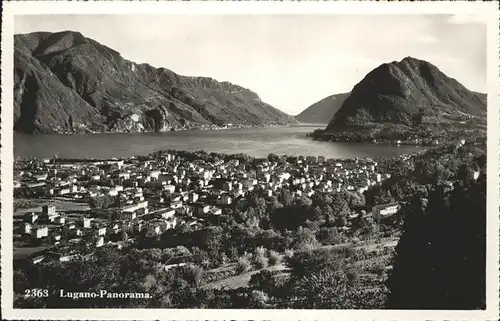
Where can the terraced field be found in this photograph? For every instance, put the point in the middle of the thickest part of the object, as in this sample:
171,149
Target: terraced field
227,277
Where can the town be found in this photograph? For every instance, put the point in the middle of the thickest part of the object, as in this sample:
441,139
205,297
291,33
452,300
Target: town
123,201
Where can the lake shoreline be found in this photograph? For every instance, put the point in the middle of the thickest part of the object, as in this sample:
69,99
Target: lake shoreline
172,130
257,142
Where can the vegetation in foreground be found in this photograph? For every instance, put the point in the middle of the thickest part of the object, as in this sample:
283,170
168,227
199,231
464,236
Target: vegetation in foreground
439,262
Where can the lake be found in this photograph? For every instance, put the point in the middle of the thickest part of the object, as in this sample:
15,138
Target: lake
258,142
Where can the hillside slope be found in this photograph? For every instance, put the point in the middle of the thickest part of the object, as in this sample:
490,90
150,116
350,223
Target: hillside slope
322,111
408,94
64,82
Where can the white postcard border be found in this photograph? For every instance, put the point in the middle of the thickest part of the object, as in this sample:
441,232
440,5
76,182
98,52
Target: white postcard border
488,10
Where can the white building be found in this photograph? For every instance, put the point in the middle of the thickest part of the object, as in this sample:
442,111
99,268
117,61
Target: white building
128,216
133,208
59,220
26,228
31,217
154,174
169,188
99,242
40,231
86,222
225,200
216,211
385,210
64,191
193,197
101,231
203,209
124,175
49,210
166,213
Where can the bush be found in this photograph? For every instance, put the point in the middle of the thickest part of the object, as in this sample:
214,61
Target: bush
260,261
379,270
192,274
260,251
233,253
263,280
310,262
305,239
377,267
352,276
258,299
329,235
274,258
288,253
243,265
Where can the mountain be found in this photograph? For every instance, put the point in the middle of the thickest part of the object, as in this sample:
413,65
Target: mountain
65,82
408,94
322,111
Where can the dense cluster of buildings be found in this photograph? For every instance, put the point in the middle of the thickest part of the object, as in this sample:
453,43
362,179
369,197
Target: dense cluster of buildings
144,197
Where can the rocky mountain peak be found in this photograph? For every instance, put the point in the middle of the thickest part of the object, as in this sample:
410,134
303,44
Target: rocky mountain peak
396,92
65,82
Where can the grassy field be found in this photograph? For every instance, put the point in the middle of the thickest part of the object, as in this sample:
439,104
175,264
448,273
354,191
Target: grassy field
25,252
237,281
24,205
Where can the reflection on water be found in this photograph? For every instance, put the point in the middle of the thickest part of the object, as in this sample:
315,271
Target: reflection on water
258,142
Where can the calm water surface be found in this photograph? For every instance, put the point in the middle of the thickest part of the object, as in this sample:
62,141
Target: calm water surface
258,142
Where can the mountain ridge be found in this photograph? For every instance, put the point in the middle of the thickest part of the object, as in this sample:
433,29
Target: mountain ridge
322,111
403,92
65,82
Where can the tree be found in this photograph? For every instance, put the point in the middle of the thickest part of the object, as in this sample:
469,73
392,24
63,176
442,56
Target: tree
319,279
273,204
264,281
243,265
340,207
289,217
322,199
304,201
192,274
259,206
269,239
441,256
354,199
257,299
241,238
273,157
274,258
329,235
341,221
106,202
323,290
212,239
311,261
417,119
259,259
384,198
100,202
201,257
286,197
318,213
304,239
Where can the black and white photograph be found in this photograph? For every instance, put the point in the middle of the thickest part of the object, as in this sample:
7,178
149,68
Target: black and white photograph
260,160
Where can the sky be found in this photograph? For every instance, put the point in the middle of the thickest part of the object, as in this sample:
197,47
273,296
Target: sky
290,61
